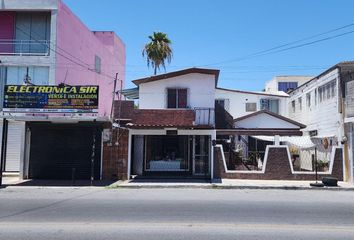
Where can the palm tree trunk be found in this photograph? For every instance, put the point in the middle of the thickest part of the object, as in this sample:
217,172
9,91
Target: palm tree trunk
155,70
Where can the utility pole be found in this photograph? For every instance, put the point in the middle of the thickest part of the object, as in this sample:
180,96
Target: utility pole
93,156
114,95
3,147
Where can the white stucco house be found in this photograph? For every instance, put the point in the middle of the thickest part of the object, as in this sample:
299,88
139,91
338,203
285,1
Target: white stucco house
183,115
240,103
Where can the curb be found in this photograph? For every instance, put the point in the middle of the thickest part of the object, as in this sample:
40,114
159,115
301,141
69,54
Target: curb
216,186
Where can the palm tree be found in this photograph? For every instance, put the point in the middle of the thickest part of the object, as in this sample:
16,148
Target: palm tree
158,51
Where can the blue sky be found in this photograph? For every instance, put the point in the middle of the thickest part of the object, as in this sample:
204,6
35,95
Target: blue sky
207,32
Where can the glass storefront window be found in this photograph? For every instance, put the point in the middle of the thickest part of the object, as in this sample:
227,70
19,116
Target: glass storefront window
166,153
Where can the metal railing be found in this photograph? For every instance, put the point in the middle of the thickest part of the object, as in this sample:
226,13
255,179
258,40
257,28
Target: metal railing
205,116
244,153
24,47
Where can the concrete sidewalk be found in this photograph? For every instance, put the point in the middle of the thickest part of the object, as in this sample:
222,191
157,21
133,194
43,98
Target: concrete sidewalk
230,184
9,178
14,181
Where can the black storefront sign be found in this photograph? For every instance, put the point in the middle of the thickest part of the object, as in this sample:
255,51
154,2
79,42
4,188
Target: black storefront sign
47,99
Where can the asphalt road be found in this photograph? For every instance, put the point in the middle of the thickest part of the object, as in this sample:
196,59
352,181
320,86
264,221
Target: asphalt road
98,213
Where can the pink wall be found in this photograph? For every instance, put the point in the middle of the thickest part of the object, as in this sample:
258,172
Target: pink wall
74,38
7,28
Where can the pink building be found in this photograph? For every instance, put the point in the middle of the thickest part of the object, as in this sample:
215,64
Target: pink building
42,41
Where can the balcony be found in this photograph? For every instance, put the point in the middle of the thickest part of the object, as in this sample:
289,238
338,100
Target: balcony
24,47
163,118
204,116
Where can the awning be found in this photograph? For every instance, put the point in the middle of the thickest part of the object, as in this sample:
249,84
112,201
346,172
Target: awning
259,132
303,142
130,93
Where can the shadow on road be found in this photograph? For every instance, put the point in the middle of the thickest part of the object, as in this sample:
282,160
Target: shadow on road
59,183
167,180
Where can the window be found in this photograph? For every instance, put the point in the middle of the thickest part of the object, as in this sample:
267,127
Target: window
300,103
32,32
308,100
251,107
37,75
333,89
286,86
315,96
349,100
16,76
166,153
327,91
270,105
293,106
177,98
225,103
97,64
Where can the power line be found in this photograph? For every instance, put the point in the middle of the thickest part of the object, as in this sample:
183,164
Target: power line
281,47
313,42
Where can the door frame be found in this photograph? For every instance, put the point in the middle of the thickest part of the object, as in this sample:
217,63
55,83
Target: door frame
208,162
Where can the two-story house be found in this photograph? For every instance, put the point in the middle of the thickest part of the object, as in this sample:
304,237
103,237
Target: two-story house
42,43
181,117
319,105
171,133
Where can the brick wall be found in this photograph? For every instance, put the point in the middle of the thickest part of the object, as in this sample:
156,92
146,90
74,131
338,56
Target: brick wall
156,117
115,157
123,109
278,167
153,117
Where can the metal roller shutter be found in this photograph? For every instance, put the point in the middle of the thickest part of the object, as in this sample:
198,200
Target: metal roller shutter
15,139
56,149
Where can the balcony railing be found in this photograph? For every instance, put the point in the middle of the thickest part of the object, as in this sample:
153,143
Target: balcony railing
24,47
205,116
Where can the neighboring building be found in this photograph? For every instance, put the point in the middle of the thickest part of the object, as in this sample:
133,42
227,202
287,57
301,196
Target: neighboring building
319,105
43,43
240,103
347,83
187,127
285,83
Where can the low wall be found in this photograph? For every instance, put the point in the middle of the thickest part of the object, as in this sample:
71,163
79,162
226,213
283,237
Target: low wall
276,167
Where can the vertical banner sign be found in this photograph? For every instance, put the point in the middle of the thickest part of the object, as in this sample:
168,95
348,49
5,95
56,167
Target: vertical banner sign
51,99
